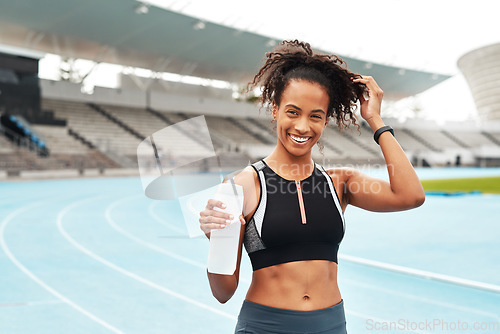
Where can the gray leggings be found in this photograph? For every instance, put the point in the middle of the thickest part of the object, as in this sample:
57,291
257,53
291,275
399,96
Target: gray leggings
262,319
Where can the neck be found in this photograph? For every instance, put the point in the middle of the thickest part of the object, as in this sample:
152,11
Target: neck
284,163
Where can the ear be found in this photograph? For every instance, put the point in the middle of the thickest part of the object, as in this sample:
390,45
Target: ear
275,110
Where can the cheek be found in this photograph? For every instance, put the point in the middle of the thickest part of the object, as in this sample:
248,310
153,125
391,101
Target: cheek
283,123
319,128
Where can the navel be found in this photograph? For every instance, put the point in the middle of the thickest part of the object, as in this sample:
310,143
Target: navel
306,297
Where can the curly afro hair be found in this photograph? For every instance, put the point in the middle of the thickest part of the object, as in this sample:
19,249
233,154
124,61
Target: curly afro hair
294,60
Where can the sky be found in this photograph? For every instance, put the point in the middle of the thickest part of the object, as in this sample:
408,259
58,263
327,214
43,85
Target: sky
423,35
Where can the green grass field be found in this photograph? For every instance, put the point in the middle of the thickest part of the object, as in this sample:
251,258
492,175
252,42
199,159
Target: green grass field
487,185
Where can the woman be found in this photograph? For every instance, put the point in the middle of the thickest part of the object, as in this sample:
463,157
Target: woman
293,212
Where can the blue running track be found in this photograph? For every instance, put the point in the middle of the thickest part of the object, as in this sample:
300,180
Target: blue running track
97,256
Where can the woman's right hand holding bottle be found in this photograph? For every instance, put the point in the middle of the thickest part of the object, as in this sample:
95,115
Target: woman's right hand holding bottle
212,219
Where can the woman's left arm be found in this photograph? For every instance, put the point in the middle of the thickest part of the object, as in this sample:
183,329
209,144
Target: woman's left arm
404,191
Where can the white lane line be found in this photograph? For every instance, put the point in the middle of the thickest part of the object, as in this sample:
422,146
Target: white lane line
425,300
152,246
161,221
35,278
142,242
422,273
138,278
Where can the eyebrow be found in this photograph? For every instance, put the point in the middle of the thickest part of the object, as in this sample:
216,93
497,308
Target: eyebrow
294,106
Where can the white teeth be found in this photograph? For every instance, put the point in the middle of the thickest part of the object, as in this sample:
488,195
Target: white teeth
299,139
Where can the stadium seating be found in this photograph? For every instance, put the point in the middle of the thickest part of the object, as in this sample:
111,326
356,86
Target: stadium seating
227,128
59,141
471,139
408,142
96,128
495,137
107,136
438,138
5,145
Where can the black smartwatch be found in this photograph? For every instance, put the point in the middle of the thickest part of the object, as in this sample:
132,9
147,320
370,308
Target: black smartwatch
383,129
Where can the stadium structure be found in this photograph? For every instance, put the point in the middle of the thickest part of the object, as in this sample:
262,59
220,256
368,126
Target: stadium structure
52,128
481,68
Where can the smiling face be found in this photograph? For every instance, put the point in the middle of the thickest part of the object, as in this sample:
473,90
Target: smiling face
301,116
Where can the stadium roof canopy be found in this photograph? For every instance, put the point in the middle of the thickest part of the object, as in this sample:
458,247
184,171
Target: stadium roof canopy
113,31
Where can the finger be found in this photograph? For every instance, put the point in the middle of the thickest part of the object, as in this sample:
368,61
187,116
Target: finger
215,203
208,227
364,79
372,89
368,81
218,214
223,215
242,220
210,220
216,226
366,95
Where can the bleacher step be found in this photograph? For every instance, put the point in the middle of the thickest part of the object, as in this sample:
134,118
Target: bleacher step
115,120
490,137
159,115
80,138
420,139
245,128
455,139
360,144
265,128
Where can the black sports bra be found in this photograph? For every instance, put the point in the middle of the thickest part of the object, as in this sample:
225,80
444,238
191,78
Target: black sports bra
294,220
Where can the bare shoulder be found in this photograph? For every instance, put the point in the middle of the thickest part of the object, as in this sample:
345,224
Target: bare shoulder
244,177
249,180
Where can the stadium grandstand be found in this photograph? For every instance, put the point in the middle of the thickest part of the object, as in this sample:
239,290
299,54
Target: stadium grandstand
61,128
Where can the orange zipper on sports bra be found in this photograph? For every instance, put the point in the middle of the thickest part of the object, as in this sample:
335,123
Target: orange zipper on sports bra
301,202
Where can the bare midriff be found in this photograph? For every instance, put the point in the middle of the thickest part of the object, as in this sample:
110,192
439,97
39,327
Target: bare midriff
299,285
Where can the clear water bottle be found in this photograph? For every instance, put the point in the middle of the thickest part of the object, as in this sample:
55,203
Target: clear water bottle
223,250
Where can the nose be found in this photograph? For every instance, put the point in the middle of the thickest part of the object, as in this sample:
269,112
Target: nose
302,125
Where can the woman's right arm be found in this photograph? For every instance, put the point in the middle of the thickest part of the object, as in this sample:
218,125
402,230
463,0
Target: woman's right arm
224,286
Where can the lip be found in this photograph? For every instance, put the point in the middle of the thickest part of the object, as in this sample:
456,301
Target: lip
297,143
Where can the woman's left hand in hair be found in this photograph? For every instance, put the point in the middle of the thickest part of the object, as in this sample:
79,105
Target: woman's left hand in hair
370,108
